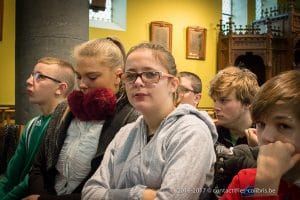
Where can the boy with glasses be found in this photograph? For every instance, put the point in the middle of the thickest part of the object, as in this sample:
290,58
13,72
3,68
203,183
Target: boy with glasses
190,88
50,82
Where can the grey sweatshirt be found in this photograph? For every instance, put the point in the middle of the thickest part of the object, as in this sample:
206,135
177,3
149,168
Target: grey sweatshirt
176,162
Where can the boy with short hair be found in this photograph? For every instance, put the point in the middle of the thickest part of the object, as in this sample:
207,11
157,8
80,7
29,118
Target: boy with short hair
190,88
233,90
276,112
51,80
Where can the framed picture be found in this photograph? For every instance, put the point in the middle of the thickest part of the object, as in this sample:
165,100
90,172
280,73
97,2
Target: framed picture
161,33
1,17
195,43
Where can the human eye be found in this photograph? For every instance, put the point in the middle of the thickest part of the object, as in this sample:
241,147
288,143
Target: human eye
283,126
93,77
223,100
182,89
130,76
150,75
38,76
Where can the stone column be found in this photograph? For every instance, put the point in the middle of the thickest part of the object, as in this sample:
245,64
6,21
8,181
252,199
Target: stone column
45,28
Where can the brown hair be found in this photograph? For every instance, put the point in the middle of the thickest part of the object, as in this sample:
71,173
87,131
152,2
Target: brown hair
242,80
160,53
65,73
195,80
281,89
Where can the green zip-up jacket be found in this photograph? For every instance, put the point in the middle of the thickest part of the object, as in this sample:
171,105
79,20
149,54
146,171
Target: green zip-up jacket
14,183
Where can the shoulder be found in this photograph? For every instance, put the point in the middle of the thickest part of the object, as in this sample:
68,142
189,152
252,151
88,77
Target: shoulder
30,125
125,111
128,131
190,116
188,119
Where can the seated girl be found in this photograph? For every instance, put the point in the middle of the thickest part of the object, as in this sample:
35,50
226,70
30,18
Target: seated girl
168,153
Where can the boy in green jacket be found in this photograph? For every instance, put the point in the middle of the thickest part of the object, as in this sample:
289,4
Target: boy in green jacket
49,83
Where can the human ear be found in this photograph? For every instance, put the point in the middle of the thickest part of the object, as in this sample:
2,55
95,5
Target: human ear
61,88
118,73
174,83
197,97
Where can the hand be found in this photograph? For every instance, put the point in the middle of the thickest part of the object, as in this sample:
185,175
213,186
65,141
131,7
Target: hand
251,137
274,160
32,197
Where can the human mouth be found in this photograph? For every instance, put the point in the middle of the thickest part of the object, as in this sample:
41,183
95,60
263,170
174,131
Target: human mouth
219,116
139,95
29,92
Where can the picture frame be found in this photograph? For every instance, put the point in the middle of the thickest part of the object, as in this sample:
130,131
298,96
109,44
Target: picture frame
195,42
161,33
1,18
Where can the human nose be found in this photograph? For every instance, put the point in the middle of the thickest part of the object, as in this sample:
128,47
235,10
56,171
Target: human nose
138,80
267,134
30,80
82,85
217,106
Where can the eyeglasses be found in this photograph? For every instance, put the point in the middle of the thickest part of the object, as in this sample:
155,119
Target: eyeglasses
182,89
147,77
39,76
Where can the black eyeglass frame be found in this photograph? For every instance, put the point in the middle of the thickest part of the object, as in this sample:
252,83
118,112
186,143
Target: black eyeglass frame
39,75
142,76
183,89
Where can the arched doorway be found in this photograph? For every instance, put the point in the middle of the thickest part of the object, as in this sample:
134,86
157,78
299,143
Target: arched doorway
254,63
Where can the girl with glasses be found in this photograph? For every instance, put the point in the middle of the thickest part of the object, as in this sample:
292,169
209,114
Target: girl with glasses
168,152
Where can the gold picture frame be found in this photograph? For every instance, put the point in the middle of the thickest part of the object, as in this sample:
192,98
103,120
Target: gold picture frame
195,42
161,33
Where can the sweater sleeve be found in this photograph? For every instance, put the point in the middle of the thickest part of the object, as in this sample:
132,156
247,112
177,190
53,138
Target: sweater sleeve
190,156
99,186
14,183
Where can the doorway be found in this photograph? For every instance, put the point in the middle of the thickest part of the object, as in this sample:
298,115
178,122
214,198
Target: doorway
254,63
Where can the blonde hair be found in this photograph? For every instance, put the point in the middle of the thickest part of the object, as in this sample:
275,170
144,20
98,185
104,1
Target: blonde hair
281,89
66,72
242,80
108,51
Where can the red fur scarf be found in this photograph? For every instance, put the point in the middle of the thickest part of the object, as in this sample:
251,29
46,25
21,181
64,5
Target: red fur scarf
97,104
